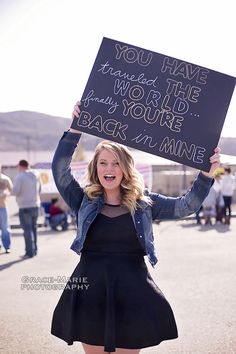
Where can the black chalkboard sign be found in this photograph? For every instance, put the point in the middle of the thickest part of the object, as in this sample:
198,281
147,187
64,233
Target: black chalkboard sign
155,103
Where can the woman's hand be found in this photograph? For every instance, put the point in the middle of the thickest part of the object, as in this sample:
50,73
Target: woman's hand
75,114
215,162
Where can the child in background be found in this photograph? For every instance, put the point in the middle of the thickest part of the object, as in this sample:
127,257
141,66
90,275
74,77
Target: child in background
58,216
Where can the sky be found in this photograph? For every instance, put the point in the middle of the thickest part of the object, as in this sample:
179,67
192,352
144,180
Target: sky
48,47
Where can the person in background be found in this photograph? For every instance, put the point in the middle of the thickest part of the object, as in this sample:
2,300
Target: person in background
227,188
219,198
58,215
27,188
197,216
5,191
209,206
198,212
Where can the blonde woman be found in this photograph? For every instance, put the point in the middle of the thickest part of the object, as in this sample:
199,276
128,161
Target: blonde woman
111,303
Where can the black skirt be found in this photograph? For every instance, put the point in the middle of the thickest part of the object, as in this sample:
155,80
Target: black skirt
111,300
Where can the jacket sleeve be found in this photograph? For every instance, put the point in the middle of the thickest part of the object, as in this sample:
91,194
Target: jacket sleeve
67,186
165,208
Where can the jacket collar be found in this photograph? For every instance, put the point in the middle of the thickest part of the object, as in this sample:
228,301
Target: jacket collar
99,202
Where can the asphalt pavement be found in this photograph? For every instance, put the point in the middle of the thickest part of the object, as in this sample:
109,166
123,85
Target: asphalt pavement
196,272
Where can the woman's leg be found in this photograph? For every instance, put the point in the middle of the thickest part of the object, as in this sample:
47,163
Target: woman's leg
97,349
93,349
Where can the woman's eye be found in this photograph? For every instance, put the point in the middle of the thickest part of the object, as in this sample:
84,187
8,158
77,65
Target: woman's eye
116,163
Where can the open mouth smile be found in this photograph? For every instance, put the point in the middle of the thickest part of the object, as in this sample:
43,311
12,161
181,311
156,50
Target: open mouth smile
109,178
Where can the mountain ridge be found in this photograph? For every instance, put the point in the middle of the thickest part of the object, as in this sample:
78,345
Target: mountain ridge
23,130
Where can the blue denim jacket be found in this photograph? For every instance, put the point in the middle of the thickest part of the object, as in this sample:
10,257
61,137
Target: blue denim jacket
163,208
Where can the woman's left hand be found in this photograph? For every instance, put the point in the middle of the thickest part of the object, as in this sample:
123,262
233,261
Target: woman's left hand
215,162
76,111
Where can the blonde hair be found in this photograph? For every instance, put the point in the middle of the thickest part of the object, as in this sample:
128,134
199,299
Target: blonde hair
132,184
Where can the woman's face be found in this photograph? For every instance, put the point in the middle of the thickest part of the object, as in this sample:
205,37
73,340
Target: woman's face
109,172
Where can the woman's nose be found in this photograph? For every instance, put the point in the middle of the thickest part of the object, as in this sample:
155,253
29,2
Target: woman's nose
110,169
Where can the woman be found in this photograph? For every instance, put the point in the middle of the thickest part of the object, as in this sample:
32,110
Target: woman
118,308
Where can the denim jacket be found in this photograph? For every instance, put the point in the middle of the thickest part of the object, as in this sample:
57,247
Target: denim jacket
162,208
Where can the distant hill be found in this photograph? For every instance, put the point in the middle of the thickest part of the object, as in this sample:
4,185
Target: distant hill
25,130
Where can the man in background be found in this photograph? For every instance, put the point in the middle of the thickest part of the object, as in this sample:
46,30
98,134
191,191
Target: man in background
5,191
27,188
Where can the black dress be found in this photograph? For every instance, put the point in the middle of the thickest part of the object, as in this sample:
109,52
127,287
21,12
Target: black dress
111,299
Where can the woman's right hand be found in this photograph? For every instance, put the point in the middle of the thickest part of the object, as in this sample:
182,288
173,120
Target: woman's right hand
75,114
76,111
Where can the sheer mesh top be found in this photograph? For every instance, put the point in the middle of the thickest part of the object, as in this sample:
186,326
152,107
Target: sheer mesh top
113,230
